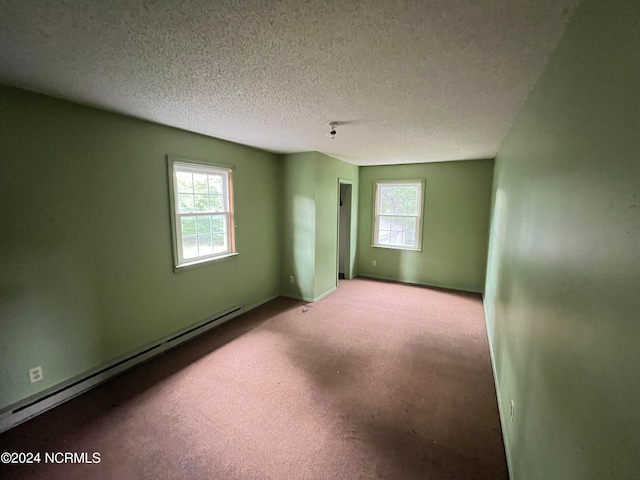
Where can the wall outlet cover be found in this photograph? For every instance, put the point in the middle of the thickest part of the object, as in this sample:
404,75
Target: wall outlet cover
35,374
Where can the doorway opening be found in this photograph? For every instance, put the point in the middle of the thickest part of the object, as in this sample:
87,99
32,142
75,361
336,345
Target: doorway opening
344,229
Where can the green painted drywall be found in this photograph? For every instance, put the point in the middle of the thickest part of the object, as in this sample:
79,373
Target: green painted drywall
85,241
455,225
298,224
563,276
310,222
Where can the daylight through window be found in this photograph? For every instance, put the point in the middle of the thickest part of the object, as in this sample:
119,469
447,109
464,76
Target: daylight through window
398,214
203,212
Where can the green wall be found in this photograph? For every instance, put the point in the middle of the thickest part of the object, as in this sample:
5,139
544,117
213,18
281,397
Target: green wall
455,226
298,224
563,282
85,244
310,222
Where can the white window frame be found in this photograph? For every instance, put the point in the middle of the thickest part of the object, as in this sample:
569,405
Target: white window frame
176,165
420,183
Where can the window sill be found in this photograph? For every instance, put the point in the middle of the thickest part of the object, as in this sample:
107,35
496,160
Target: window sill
200,263
395,247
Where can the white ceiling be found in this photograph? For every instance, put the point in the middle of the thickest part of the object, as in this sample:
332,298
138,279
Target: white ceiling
415,80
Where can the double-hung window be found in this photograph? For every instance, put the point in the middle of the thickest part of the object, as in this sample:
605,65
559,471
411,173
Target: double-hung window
202,212
398,214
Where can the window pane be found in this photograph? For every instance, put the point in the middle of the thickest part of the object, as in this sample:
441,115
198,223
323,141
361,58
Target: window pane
189,247
185,203
188,226
219,242
397,231
216,203
396,238
215,184
200,183
185,182
385,200
384,237
400,231
410,238
407,200
201,203
218,224
384,224
406,223
204,245
398,199
408,226
204,225
396,224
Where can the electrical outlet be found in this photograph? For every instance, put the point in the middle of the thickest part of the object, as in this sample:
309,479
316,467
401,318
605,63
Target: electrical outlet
373,263
35,374
513,411
291,279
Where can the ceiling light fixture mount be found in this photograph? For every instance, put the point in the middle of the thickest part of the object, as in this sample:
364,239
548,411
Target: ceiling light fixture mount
332,130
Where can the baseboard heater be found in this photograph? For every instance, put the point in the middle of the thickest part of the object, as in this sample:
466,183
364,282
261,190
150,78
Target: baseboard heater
47,399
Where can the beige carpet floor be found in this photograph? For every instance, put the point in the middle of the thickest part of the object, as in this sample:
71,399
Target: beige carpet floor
376,381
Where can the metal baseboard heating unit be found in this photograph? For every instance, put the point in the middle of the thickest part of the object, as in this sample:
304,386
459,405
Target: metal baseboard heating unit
47,399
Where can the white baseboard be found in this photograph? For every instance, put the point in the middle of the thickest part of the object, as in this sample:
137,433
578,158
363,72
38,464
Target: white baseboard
309,299
58,394
434,285
328,292
503,423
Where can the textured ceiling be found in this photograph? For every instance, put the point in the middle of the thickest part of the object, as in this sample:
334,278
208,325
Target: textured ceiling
414,81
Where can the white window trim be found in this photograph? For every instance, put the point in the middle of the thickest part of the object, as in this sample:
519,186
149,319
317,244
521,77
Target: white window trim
420,222
180,263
